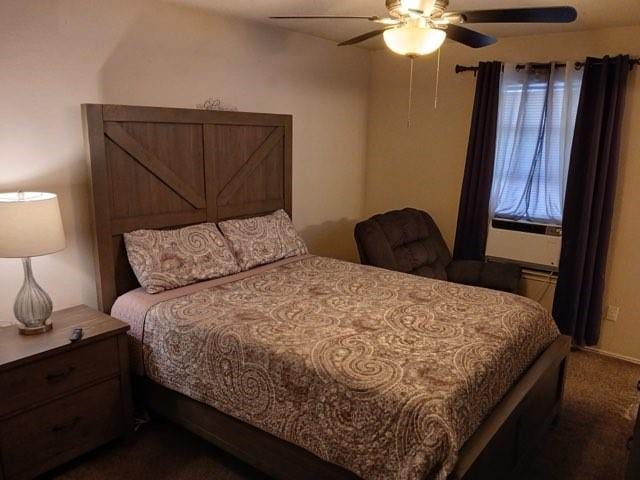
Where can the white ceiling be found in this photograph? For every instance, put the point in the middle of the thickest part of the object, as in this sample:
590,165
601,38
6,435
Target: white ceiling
592,14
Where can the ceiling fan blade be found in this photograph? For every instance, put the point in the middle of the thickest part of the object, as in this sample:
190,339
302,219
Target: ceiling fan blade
372,18
363,37
468,37
522,15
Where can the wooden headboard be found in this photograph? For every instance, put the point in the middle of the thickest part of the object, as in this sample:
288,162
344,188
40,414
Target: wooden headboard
165,168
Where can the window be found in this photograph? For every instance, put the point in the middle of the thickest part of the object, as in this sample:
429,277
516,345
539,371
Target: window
536,119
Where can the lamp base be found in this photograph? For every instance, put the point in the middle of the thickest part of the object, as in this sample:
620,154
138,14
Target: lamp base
35,330
33,306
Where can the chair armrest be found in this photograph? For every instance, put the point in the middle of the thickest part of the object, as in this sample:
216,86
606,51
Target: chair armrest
498,276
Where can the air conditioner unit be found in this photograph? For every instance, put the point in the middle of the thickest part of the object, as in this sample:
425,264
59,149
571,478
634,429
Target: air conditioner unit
532,245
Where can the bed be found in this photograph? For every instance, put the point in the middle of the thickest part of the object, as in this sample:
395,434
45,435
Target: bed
310,367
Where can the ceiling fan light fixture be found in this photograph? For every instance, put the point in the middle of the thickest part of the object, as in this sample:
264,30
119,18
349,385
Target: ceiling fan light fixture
414,40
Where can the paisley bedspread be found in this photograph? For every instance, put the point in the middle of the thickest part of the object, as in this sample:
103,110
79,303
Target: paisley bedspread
383,373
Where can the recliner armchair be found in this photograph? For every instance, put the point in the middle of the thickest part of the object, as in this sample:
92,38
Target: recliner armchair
409,241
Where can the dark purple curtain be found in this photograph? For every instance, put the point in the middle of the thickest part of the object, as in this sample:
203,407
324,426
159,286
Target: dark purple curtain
473,213
588,208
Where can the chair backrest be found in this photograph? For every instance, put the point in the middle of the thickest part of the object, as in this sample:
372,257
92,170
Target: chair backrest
405,240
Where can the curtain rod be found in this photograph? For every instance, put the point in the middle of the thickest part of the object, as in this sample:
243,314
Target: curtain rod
520,66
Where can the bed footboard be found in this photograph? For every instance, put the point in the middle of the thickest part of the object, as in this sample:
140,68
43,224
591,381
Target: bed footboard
503,444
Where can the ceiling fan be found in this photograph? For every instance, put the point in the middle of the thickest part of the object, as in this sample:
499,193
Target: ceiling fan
420,27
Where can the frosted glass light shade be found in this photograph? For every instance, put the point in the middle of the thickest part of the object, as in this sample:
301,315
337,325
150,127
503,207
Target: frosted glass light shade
30,225
413,40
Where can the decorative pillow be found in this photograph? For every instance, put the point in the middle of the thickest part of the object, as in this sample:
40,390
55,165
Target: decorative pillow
167,259
259,240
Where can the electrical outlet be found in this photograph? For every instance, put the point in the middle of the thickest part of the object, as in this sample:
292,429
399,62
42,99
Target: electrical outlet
612,313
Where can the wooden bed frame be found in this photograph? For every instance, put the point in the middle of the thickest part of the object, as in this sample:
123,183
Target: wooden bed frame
165,168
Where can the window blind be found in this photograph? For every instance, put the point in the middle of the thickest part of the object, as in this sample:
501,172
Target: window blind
536,120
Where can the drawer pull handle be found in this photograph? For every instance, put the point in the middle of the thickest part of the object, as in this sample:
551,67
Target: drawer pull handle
66,426
630,443
59,375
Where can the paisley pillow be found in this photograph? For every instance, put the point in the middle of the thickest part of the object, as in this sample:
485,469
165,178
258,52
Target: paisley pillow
167,259
259,240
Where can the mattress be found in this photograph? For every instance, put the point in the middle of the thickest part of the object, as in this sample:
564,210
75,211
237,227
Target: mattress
383,373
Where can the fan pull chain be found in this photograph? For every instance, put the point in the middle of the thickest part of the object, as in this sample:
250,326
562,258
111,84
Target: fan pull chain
435,100
410,93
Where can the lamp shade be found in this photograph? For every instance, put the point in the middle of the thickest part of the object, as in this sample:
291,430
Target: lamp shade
30,225
414,40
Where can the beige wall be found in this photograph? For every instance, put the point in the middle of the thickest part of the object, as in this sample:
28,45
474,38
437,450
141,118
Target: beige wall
55,55
423,166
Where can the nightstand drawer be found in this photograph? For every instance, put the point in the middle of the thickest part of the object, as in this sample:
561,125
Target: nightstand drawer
46,436
28,385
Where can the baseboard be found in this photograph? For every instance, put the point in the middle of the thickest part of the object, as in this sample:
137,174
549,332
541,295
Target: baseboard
610,354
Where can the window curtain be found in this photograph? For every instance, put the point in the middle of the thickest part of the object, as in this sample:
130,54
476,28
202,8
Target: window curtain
589,200
536,122
473,213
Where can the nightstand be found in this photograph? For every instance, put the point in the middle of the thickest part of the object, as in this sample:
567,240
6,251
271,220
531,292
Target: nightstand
60,399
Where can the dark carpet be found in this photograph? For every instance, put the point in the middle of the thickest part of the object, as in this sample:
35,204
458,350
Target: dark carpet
589,442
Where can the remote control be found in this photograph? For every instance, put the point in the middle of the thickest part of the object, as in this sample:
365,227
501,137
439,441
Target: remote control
76,334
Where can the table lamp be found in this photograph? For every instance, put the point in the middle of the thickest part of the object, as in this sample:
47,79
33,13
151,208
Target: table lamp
30,226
